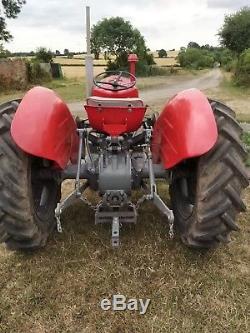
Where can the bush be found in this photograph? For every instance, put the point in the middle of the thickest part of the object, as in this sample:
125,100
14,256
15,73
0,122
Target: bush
162,53
230,66
145,71
44,55
226,57
143,67
242,73
196,58
37,74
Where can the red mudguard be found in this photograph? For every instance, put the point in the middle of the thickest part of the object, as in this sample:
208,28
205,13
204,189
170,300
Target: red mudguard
43,126
186,128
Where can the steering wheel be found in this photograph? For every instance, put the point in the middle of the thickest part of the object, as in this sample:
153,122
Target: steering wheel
115,80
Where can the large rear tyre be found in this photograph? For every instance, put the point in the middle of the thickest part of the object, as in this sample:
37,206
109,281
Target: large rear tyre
27,203
206,191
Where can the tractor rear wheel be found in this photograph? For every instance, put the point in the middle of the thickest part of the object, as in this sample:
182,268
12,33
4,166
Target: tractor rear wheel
206,191
27,203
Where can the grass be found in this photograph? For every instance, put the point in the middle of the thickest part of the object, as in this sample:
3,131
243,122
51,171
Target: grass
78,73
59,289
246,140
73,89
69,90
238,98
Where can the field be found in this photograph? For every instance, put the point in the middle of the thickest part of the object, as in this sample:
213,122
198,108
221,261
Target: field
165,61
59,289
72,72
78,61
79,72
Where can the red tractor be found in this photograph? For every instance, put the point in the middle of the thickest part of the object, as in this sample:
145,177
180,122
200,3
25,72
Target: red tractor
194,144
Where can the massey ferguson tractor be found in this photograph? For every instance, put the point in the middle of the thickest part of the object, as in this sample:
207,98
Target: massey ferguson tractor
194,144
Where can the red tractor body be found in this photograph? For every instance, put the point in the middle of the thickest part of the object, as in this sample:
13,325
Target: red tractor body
43,126
186,128
194,144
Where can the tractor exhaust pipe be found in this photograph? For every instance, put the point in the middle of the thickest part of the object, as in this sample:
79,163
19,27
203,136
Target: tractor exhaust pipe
132,60
88,58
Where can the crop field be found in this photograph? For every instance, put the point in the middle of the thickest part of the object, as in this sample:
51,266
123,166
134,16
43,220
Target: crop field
79,72
166,61
169,61
77,61
72,72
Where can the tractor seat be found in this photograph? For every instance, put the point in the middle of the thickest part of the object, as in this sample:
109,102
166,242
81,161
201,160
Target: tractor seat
114,102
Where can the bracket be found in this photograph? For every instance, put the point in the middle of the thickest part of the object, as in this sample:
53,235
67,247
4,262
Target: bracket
154,196
115,232
68,201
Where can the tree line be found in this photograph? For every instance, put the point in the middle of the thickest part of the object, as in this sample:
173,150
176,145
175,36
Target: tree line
233,54
116,38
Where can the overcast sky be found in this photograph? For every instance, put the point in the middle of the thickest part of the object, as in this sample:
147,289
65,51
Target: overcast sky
59,24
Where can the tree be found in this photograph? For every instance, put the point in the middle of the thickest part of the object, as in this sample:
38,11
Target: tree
58,53
114,35
96,43
207,47
118,37
4,53
66,52
44,55
11,9
193,45
235,32
162,53
196,58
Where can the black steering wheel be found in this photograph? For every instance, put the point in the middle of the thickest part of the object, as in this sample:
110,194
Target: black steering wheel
119,80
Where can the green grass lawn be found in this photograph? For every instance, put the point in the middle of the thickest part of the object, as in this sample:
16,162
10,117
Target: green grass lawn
238,98
69,90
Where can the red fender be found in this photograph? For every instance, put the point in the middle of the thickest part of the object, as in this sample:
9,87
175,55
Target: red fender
43,126
186,128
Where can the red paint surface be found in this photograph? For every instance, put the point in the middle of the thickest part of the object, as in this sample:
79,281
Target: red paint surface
186,128
128,93
112,92
43,126
115,121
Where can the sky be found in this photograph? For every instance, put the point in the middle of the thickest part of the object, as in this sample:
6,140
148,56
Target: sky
167,24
